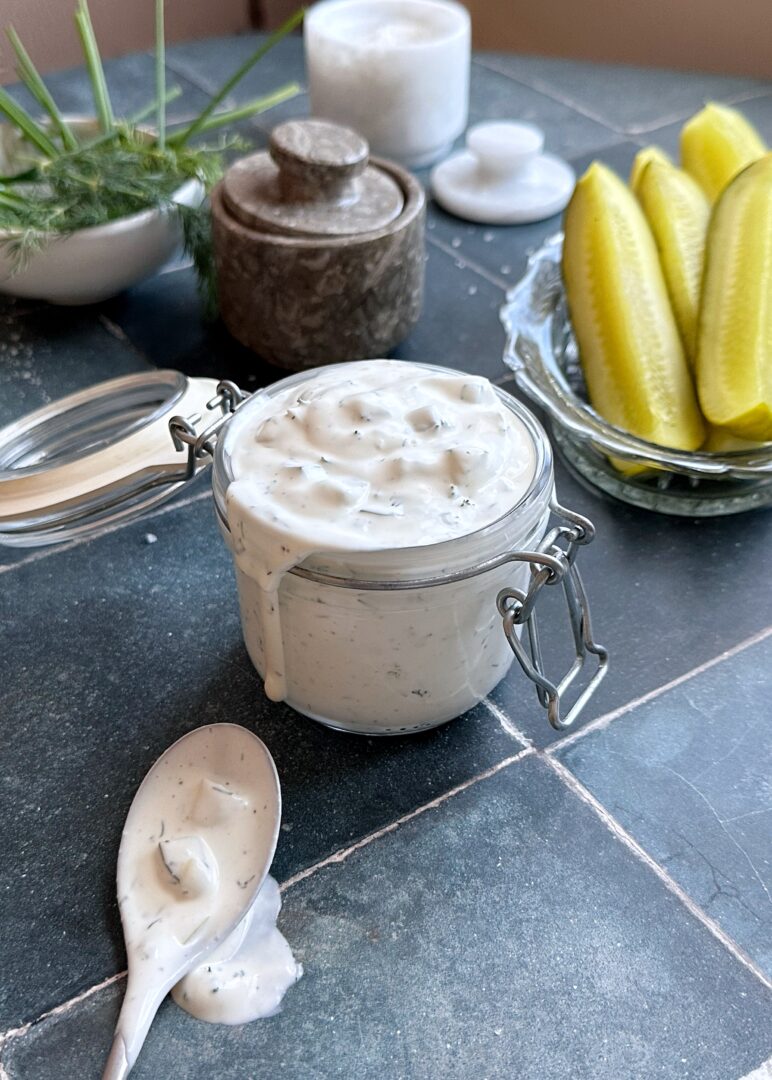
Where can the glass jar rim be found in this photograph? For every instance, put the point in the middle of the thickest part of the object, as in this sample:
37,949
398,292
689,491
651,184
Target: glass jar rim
536,498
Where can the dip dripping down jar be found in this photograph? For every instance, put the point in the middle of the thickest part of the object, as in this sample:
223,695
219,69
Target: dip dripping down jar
403,638
319,249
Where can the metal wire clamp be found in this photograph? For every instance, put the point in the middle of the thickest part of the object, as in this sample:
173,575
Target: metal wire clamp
201,445
552,564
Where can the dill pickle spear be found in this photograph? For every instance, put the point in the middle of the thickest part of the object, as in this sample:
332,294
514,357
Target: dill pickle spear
721,441
716,144
642,159
678,212
734,349
633,360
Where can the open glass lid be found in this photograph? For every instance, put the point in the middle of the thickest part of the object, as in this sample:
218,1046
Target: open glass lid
105,453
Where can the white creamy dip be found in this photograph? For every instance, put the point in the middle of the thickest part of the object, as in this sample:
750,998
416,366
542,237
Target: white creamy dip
374,456
197,843
247,976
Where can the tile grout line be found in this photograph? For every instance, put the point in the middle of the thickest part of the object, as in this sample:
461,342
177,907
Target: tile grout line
649,128
335,859
341,855
204,86
506,723
116,330
553,94
194,80
603,721
58,1010
469,264
150,515
120,334
620,833
632,132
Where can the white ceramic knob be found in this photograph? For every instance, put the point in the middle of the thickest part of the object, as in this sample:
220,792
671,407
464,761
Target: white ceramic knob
503,176
503,148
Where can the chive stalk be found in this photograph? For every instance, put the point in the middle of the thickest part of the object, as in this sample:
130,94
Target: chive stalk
11,199
30,76
287,27
160,74
134,119
232,116
148,110
104,108
30,129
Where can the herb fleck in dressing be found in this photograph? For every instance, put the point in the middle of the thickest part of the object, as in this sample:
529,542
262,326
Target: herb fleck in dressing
375,456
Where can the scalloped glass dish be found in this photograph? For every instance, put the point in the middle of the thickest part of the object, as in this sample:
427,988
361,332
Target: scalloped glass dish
541,351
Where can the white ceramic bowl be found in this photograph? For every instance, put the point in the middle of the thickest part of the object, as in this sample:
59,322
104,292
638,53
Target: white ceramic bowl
93,264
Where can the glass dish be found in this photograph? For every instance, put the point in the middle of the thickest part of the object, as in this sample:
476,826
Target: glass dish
542,352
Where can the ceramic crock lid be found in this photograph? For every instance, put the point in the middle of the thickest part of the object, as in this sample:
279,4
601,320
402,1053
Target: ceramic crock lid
315,181
503,177
102,454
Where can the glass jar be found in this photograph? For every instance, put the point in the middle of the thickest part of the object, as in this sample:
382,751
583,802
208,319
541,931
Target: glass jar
377,642
393,641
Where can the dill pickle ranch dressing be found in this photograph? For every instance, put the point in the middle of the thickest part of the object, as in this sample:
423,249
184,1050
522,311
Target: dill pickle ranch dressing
359,465
187,861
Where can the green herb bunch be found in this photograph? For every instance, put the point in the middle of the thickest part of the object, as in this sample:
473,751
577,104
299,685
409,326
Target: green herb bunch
62,177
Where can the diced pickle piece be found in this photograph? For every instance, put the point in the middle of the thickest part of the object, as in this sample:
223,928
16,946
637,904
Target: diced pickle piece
188,867
642,159
634,364
716,144
734,353
678,212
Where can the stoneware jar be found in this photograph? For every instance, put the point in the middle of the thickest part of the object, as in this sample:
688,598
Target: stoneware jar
447,618
319,249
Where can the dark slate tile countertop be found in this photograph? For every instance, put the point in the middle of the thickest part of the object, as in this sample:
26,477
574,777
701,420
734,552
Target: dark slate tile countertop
487,899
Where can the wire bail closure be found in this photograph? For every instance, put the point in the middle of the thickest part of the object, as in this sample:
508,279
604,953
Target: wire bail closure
201,445
553,563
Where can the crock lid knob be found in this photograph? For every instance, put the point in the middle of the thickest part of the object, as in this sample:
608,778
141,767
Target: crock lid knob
317,159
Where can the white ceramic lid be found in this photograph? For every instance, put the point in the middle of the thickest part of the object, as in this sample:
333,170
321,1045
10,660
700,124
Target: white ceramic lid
104,453
503,177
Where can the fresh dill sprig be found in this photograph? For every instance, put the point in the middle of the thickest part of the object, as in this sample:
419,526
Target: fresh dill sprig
196,225
99,183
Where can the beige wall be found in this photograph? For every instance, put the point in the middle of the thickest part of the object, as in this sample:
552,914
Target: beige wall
46,26
711,35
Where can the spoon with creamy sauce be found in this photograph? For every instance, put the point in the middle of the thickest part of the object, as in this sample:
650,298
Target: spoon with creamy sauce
196,848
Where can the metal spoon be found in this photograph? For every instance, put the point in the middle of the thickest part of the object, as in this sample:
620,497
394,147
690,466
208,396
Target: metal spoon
225,762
